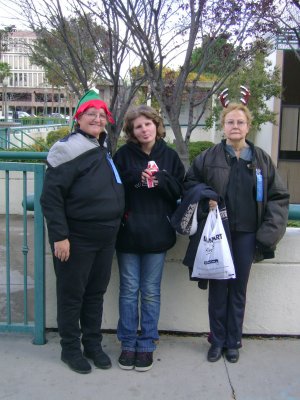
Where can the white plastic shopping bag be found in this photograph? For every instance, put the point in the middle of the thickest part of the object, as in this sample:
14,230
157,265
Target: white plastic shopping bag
213,259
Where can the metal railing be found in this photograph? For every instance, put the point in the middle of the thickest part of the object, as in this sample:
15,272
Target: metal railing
19,137
7,322
294,212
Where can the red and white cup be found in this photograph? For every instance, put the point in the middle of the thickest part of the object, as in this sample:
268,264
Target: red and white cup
152,167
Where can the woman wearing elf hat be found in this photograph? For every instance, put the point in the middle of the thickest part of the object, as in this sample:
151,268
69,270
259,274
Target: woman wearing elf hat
82,201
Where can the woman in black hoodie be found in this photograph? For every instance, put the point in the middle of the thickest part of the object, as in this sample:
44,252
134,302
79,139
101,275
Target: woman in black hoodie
152,174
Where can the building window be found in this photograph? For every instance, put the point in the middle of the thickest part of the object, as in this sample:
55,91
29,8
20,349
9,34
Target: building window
40,79
34,80
289,148
290,133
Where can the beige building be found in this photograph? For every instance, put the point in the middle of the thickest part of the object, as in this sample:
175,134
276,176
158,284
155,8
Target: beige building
26,89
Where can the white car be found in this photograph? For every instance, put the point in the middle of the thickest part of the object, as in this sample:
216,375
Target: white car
22,114
57,115
9,116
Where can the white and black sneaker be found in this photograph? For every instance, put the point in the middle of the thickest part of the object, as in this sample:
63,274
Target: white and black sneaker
127,359
143,361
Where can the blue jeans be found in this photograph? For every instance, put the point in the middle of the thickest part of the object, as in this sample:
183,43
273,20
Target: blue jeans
140,277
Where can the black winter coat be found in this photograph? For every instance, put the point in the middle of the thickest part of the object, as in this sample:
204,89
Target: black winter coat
212,167
146,224
80,185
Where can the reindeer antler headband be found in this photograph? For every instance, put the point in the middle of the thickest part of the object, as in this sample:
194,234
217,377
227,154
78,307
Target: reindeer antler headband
223,97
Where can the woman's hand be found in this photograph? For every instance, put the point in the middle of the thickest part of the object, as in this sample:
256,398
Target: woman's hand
212,204
148,174
62,249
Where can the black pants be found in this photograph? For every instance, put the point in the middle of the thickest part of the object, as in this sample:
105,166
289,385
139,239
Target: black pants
227,298
80,284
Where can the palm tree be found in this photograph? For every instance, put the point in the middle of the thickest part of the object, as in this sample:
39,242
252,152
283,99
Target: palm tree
5,72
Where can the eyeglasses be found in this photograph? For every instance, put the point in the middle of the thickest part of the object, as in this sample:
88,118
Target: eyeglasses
103,117
231,123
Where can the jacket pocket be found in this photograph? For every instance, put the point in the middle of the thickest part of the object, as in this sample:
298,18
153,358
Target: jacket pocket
145,233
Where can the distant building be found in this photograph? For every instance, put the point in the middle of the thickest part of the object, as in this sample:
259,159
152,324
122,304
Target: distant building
26,89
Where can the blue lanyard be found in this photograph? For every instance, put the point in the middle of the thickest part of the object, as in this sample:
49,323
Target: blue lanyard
259,185
116,173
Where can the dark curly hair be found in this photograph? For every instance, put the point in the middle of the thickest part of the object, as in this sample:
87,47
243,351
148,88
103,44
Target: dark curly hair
148,112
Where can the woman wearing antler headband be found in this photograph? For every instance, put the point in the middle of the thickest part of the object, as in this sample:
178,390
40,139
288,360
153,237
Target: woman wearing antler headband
257,205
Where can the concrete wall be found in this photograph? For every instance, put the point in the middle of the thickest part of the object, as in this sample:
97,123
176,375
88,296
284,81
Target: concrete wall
15,191
273,302
273,294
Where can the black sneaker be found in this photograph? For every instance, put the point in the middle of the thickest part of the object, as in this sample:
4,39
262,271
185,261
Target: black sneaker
127,359
232,355
100,359
214,353
77,363
143,361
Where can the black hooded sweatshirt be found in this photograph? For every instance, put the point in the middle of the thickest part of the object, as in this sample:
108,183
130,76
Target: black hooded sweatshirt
146,224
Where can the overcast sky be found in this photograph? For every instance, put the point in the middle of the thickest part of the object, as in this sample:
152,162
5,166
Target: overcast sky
9,14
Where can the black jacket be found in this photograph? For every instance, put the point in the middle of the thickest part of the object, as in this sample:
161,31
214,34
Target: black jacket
80,185
213,167
181,221
146,224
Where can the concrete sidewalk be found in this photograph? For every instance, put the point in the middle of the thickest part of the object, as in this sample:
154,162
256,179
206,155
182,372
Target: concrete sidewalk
268,369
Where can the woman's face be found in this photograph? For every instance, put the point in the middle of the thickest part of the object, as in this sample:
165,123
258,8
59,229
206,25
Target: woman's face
93,121
144,130
236,126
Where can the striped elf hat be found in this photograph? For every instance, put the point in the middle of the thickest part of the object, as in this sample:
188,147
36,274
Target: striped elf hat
91,99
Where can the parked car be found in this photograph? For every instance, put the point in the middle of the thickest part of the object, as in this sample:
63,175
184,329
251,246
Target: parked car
57,115
60,116
22,114
9,116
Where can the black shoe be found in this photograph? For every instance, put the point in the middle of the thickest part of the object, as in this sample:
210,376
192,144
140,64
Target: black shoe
214,353
100,359
127,359
143,361
232,355
77,363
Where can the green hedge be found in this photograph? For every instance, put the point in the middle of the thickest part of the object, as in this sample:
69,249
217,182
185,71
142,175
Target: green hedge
195,148
41,120
293,223
54,136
